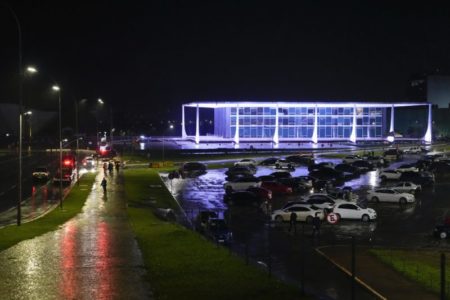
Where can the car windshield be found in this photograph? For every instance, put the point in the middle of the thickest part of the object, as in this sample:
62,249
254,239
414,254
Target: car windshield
218,225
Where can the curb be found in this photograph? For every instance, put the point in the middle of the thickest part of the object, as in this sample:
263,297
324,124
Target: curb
358,280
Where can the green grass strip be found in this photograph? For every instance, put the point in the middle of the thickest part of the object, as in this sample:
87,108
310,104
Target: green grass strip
180,263
420,266
72,205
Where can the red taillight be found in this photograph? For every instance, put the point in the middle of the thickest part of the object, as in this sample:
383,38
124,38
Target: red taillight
67,162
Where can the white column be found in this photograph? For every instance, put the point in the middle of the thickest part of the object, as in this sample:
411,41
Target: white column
314,138
428,135
391,128
183,124
275,137
197,126
353,134
236,134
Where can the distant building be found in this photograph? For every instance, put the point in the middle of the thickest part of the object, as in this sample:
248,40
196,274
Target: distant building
302,121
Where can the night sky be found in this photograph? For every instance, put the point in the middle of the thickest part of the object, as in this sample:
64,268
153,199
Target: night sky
153,55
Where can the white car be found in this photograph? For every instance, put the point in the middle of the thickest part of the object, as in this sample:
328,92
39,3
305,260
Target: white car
241,184
41,173
351,159
390,195
305,213
375,160
246,162
321,200
390,175
407,187
354,212
407,168
413,150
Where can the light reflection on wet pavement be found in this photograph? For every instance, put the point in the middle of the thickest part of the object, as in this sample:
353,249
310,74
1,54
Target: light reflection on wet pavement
92,256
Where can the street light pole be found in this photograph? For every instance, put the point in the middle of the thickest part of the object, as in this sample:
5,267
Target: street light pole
77,137
58,89
19,49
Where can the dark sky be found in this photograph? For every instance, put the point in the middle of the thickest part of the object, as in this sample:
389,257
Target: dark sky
151,55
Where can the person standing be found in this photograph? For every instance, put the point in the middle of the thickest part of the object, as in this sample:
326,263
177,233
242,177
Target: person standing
293,222
316,225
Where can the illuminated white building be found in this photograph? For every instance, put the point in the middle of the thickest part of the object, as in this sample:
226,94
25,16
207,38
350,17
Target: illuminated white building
301,121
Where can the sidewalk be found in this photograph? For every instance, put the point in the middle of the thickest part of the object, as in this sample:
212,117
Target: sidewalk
92,256
377,276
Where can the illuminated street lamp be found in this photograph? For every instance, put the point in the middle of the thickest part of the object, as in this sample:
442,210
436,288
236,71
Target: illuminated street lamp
56,88
31,69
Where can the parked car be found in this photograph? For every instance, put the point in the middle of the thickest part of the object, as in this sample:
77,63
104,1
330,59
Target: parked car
351,159
413,150
393,154
192,169
300,160
327,174
342,194
355,171
281,174
353,211
217,230
377,161
296,183
390,195
276,187
88,162
241,183
261,192
422,178
305,213
240,170
407,187
202,218
242,198
246,162
284,164
407,168
440,167
321,165
321,200
390,175
41,173
268,161
363,165
267,178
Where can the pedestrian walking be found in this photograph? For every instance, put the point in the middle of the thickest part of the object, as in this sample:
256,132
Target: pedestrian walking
103,184
110,167
316,225
293,222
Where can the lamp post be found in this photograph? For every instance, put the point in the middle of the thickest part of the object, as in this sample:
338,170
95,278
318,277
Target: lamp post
56,88
163,145
111,128
20,90
29,113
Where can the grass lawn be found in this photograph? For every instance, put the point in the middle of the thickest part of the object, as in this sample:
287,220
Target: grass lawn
180,263
72,205
420,266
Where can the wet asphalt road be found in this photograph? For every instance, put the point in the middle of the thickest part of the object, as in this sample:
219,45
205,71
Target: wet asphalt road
92,256
397,226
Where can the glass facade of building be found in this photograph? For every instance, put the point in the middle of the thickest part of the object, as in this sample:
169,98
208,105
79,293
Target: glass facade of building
298,122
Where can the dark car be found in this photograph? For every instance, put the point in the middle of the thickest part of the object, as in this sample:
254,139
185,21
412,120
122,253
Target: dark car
261,192
218,231
320,166
442,231
267,178
440,167
300,160
281,174
327,174
269,161
192,169
422,178
242,198
363,165
202,219
297,184
355,171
